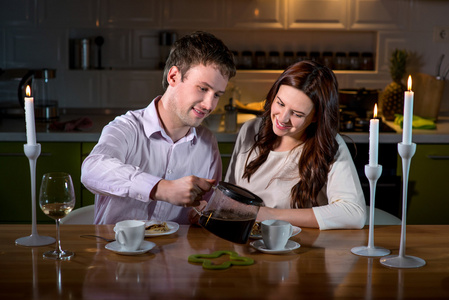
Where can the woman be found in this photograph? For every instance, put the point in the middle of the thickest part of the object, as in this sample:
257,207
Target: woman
293,157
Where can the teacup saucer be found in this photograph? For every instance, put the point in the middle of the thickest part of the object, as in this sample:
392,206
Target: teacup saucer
117,248
259,245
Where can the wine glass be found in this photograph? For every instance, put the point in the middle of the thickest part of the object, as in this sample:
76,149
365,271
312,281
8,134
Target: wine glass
57,199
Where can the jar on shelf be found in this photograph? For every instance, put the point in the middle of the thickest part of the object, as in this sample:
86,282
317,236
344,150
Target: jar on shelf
354,60
236,58
301,55
328,58
288,60
246,61
315,56
260,60
367,61
341,61
274,60
230,117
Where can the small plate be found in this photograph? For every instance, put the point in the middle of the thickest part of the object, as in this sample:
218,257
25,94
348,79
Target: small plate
117,248
296,230
259,245
173,226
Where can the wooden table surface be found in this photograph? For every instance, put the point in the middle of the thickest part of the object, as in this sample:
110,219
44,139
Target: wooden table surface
322,268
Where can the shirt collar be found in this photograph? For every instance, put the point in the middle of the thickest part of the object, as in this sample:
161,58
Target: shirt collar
152,124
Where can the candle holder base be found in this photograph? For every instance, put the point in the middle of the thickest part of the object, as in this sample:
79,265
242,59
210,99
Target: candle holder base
370,251
406,261
35,240
33,152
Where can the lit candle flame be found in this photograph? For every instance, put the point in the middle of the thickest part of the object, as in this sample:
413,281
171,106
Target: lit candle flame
375,110
409,83
28,91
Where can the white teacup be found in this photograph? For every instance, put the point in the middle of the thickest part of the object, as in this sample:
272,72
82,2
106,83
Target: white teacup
275,233
130,234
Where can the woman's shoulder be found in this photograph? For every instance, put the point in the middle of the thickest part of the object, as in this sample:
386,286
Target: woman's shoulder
251,126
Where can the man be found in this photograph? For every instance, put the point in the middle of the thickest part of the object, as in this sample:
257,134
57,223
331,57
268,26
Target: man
154,163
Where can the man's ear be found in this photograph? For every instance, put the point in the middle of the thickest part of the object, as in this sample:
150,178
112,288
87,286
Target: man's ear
173,76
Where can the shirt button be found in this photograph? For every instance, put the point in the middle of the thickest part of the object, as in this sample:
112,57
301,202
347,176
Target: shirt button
169,171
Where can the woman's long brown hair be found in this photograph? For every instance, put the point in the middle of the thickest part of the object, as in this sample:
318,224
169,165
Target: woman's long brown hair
320,147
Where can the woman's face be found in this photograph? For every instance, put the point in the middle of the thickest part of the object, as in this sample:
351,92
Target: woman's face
292,111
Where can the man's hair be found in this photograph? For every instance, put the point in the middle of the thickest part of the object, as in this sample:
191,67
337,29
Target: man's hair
199,48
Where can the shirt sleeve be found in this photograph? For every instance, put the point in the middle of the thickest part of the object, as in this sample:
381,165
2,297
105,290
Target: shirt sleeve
347,206
105,172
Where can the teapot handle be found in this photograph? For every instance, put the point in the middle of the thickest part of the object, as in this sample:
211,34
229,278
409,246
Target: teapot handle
197,211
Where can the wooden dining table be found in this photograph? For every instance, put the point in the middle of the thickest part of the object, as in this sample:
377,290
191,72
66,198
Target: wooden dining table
322,268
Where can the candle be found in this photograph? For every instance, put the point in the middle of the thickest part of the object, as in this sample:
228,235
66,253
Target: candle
374,139
408,114
29,117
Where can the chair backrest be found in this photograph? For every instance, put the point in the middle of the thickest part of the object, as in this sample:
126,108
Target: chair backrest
82,215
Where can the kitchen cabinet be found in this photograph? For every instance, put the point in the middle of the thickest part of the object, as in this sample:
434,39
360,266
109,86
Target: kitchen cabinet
62,13
130,89
130,14
18,13
377,14
321,14
226,149
428,198
255,14
180,14
87,196
15,182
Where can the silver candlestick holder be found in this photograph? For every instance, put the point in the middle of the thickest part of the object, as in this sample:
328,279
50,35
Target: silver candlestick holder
404,261
33,152
372,173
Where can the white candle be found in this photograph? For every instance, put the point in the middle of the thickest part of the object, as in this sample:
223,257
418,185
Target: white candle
374,139
29,118
408,114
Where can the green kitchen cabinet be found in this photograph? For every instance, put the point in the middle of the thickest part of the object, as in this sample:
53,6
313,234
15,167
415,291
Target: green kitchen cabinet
428,198
15,179
226,149
87,196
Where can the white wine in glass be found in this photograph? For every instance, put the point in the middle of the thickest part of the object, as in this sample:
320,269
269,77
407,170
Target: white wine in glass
57,199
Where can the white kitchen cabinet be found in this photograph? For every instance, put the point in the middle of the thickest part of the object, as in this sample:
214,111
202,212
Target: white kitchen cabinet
378,14
130,89
34,48
317,14
80,89
67,13
255,14
130,14
193,14
17,13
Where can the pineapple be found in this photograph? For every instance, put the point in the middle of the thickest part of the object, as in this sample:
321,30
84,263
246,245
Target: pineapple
392,97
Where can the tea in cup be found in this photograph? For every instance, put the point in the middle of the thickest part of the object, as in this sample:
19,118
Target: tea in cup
275,233
130,234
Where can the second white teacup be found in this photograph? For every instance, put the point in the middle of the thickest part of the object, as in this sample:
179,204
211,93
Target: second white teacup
275,233
130,234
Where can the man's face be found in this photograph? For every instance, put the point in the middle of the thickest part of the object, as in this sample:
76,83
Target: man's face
197,95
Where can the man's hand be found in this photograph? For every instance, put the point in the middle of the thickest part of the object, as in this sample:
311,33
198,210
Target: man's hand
186,191
194,216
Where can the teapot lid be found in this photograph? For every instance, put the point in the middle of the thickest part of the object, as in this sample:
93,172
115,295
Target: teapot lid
239,194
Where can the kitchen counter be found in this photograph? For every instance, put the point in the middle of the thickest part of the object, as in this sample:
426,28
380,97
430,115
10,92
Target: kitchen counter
12,129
